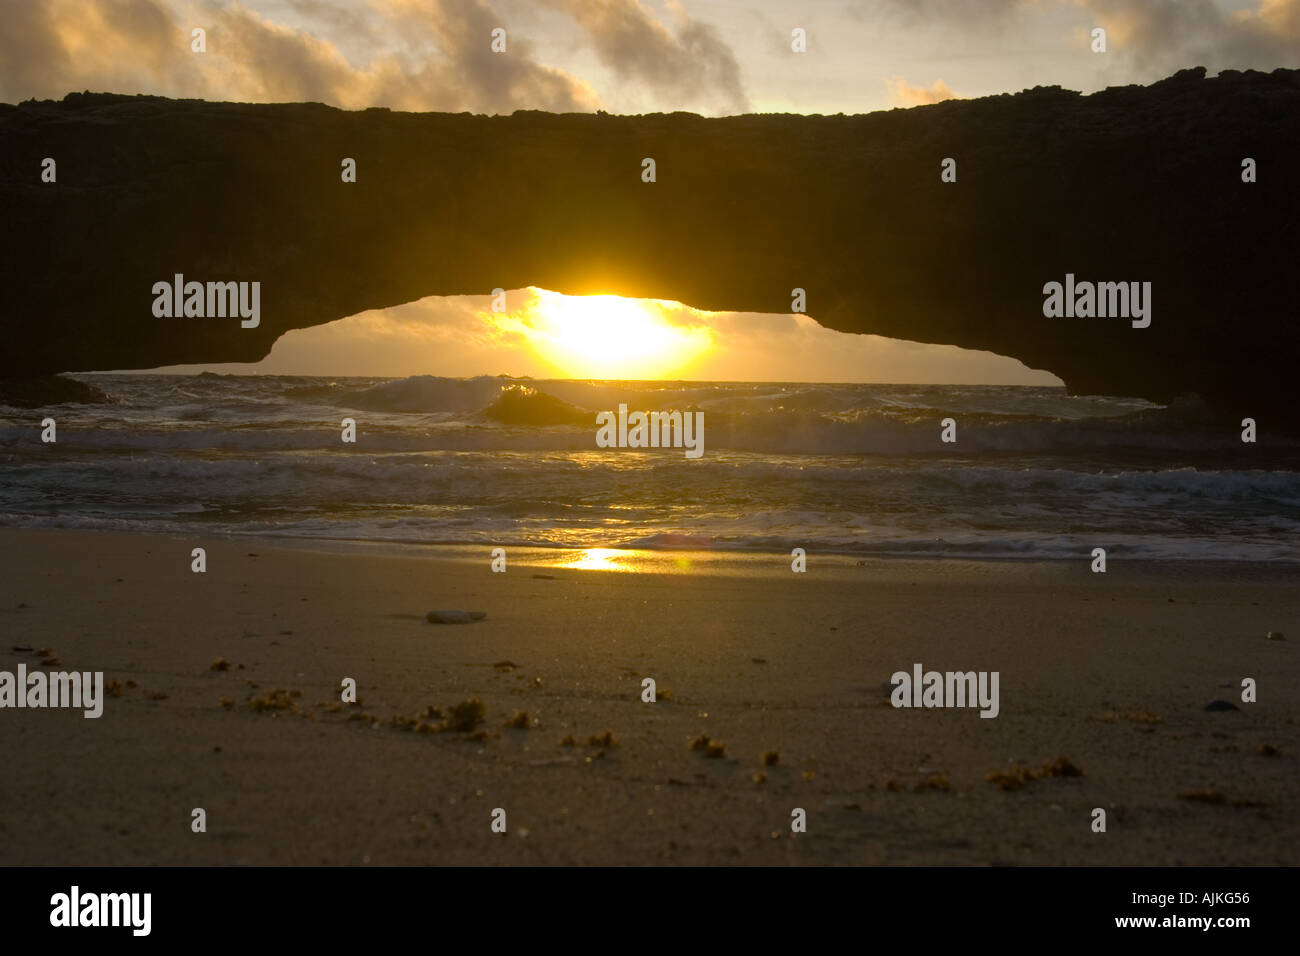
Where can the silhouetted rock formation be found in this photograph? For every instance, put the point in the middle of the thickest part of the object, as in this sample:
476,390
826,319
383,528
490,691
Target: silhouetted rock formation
1127,184
42,391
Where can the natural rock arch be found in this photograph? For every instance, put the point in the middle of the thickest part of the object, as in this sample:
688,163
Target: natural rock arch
1128,184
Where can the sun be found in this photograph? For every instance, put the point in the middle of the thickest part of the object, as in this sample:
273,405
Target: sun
607,336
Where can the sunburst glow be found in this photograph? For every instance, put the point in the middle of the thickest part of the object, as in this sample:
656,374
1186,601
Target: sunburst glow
607,336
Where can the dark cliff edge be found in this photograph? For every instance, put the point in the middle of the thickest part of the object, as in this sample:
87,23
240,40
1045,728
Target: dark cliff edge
1128,184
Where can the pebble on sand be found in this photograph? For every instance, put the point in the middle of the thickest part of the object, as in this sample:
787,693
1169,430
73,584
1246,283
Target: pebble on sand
1275,636
454,617
712,748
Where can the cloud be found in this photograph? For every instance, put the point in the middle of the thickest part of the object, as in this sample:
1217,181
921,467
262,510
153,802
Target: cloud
354,21
691,65
435,55
31,57
268,62
501,82
1159,36
1279,17
964,13
58,46
129,46
1151,38
902,93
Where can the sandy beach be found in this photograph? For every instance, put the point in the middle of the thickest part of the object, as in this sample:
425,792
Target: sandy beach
1112,672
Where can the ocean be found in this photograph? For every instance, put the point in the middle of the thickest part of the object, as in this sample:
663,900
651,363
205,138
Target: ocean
503,462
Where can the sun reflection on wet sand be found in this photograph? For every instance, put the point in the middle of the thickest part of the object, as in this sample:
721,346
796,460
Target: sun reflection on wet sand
600,559
626,560
694,562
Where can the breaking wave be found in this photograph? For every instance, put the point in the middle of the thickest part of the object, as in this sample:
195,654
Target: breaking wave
852,468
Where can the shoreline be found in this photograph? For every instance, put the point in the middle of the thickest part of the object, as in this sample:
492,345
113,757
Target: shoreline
1110,672
670,560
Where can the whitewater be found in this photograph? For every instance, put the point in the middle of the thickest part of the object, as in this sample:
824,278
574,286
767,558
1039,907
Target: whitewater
497,461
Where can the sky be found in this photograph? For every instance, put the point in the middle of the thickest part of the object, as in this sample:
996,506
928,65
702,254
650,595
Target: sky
547,335
714,57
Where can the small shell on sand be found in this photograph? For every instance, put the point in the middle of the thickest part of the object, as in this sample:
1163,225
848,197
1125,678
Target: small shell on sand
454,617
